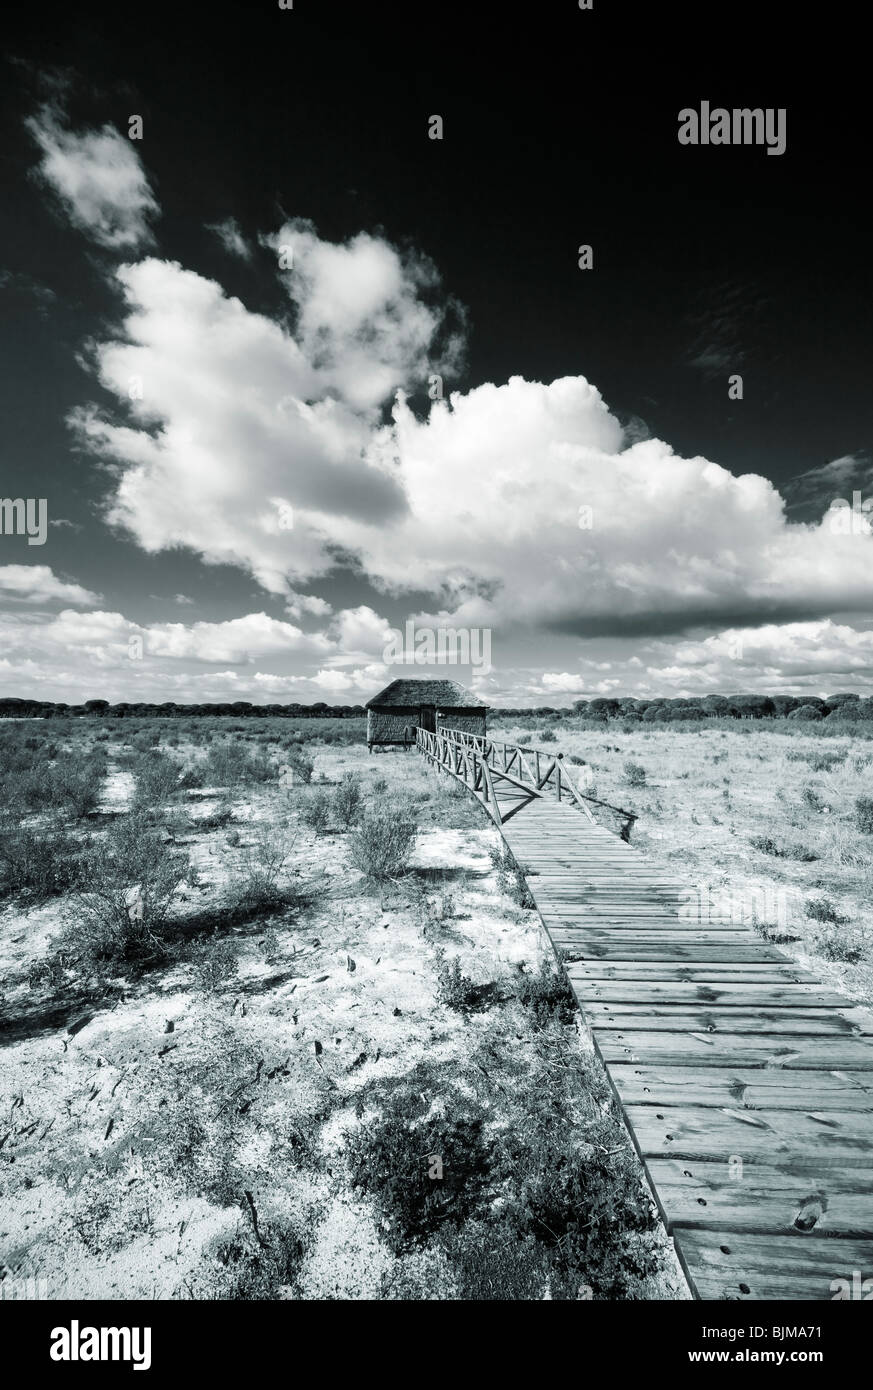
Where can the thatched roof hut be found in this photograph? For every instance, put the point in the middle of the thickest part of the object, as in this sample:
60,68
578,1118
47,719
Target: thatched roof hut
422,704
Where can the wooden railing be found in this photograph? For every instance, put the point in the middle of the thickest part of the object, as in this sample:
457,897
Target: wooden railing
478,761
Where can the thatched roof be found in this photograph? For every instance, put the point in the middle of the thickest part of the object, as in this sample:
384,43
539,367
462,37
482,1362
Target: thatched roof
442,694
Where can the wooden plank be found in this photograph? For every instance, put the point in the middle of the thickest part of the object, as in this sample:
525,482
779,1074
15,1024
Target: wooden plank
670,950
690,1132
719,972
766,1088
776,1197
744,1268
849,1020
724,995
730,1050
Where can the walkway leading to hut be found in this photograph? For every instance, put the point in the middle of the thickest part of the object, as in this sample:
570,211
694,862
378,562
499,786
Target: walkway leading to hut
745,1083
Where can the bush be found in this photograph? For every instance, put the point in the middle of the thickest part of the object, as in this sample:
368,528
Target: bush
348,800
231,764
266,884
215,963
510,878
156,780
587,1208
454,989
547,994
799,853
634,774
300,763
262,1268
38,862
547,736
382,843
823,910
421,1171
864,814
129,882
316,811
833,947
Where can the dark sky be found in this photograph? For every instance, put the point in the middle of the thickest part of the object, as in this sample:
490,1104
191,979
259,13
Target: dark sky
560,129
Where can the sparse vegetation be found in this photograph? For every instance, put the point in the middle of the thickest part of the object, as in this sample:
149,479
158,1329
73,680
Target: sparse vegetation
382,842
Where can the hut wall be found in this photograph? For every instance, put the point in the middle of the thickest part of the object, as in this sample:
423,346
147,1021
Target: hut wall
466,721
387,725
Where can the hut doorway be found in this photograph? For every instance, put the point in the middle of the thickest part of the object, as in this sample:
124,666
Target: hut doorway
427,718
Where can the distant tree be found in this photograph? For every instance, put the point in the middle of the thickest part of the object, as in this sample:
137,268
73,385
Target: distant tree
805,712
753,706
605,706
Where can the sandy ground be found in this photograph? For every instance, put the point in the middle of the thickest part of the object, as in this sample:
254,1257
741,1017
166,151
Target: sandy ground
346,992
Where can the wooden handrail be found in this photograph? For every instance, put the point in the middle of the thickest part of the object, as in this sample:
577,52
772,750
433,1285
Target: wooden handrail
473,759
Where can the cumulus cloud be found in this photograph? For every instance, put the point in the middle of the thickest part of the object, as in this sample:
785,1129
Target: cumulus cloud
37,584
522,507
98,178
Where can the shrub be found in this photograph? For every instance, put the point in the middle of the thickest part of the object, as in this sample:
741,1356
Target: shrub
266,884
823,910
301,763
766,845
547,994
834,947
811,799
421,1171
864,814
42,863
230,764
316,811
260,1267
128,885
77,783
634,774
215,963
547,736
454,989
156,780
588,1208
348,800
382,842
510,878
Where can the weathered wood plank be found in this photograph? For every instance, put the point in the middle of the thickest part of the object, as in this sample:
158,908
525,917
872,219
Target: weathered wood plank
847,1021
672,950
719,972
778,1197
766,1088
722,1265
779,1052
724,995
689,1132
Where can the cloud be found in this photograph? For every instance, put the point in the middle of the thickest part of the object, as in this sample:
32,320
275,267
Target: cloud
813,491
98,178
37,584
518,507
231,238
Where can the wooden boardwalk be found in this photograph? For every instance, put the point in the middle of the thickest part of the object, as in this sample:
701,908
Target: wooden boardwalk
745,1083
